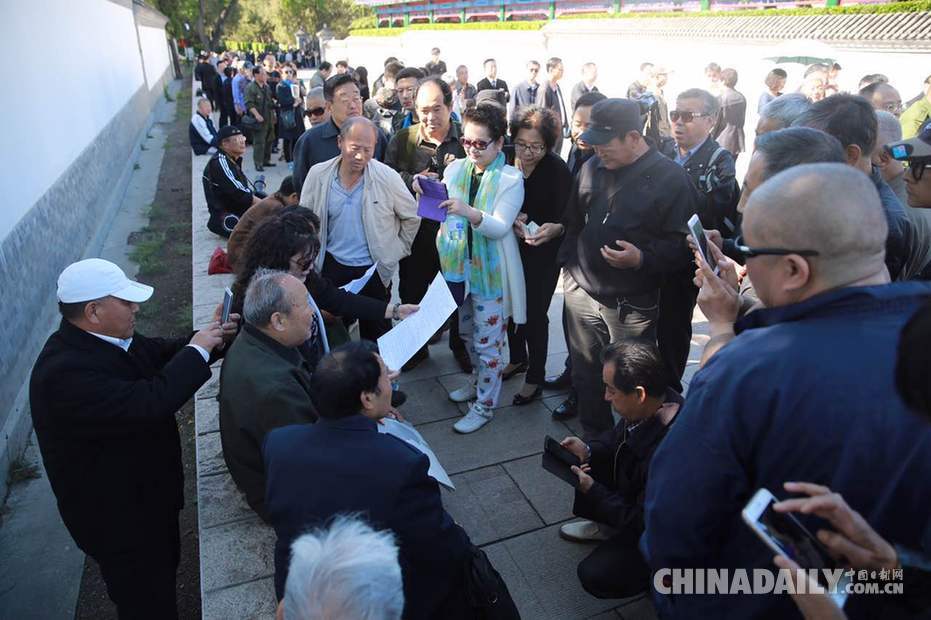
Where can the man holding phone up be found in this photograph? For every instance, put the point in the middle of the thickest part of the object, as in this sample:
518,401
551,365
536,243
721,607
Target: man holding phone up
625,227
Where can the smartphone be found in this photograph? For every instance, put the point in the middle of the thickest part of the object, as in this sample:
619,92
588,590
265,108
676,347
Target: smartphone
227,304
701,238
559,461
785,535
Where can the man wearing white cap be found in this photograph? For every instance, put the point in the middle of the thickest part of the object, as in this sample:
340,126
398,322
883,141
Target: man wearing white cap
103,402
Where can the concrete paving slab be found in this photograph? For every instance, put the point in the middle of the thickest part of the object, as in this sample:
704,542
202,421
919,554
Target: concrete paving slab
207,416
427,402
219,501
549,496
638,609
237,553
441,362
515,432
209,454
548,564
519,587
489,505
608,615
254,601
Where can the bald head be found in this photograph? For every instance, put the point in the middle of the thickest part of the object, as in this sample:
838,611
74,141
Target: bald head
827,207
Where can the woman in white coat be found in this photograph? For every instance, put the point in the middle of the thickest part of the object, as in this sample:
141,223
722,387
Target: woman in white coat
479,256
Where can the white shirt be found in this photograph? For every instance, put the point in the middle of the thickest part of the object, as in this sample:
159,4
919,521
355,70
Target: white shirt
124,343
200,125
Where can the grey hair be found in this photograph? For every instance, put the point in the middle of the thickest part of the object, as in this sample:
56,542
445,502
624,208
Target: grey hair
315,93
265,296
352,121
787,148
347,571
201,100
889,129
784,109
710,103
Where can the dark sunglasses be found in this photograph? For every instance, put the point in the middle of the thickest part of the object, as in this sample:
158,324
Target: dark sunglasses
687,117
316,111
478,145
749,252
917,170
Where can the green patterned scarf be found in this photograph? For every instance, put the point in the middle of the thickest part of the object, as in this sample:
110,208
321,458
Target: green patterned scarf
483,272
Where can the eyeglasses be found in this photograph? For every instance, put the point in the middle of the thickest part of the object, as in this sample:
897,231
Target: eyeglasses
917,170
893,107
478,145
686,116
533,149
749,252
316,111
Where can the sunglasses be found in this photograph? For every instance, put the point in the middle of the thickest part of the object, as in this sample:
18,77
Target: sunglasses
478,145
749,252
686,116
316,111
917,170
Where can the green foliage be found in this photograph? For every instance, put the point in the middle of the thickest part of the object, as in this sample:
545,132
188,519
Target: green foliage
388,32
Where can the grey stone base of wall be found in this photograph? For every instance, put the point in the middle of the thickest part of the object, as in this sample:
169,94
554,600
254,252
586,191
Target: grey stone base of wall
67,223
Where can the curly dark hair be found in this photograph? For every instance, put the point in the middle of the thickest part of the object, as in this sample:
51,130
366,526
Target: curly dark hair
272,244
541,119
490,116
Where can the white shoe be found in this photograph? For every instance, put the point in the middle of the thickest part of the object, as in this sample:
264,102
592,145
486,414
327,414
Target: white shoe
477,417
584,531
464,394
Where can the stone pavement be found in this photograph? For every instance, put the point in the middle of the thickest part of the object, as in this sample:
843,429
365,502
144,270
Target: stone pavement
507,503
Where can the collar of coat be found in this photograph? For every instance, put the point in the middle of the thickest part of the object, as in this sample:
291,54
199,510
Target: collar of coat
289,354
80,339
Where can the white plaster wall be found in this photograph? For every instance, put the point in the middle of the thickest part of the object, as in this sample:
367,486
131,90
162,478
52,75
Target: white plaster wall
154,53
83,65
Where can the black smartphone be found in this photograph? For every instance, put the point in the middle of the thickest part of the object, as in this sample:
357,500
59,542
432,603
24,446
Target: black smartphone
558,461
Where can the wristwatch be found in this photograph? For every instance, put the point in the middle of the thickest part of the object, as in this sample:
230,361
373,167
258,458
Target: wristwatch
395,315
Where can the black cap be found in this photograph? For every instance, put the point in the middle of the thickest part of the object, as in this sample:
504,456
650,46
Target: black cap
228,132
612,118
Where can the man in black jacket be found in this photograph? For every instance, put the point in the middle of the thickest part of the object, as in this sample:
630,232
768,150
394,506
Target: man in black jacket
625,228
103,401
226,188
613,477
491,81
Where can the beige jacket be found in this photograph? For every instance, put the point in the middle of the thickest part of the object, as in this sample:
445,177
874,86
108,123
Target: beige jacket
389,213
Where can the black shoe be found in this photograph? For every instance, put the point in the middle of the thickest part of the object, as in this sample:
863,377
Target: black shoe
521,400
559,382
398,398
567,409
418,357
268,163
462,358
259,168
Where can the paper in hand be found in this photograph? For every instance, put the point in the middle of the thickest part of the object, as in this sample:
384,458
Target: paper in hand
407,433
355,286
531,228
433,194
407,337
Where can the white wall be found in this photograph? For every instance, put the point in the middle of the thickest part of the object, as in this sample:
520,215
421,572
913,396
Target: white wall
154,53
87,55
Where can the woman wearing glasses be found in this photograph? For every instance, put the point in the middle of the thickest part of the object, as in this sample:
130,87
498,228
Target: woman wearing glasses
547,182
479,257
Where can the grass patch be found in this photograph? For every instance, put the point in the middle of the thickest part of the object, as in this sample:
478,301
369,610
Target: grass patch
184,316
147,253
167,94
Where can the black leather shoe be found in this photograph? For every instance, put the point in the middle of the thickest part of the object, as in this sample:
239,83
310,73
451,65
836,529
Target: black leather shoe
398,398
462,358
269,164
521,400
259,168
559,382
567,409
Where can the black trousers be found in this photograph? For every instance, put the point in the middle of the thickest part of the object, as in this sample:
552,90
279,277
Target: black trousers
592,324
225,117
674,324
141,581
340,274
417,271
530,343
616,568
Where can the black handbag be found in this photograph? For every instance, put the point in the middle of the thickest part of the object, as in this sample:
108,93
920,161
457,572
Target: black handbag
288,119
485,590
249,122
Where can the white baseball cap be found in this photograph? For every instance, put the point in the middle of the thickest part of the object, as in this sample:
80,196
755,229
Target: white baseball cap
94,278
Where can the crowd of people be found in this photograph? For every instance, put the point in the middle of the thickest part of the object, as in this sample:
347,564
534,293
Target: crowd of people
814,383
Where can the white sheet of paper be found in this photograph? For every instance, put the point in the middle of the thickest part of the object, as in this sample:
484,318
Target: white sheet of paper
319,318
404,339
359,283
407,433
531,228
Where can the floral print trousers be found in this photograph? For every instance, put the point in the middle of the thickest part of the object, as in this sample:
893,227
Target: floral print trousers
484,332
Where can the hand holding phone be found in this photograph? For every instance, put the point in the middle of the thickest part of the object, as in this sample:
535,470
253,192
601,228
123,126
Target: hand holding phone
227,305
559,461
701,238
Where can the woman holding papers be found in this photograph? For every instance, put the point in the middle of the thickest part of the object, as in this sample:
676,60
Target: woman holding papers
479,257
547,182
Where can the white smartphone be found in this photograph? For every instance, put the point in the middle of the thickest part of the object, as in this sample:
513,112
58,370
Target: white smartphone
701,238
227,305
785,535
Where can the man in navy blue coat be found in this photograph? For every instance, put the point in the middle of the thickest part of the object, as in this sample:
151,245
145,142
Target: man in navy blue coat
342,464
805,391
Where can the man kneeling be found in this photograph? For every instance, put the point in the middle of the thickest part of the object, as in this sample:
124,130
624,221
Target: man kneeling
613,475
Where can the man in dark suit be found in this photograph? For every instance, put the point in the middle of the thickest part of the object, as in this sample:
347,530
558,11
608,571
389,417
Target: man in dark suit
342,464
491,81
729,131
103,401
